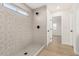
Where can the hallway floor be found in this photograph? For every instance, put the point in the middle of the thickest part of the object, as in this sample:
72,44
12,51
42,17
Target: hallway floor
55,49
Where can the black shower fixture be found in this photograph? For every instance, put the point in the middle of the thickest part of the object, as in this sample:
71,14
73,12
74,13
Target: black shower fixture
38,26
37,13
25,53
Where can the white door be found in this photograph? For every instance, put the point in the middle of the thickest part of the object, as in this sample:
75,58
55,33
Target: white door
67,29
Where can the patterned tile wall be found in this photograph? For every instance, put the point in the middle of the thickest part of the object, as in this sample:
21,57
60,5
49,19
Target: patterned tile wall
15,32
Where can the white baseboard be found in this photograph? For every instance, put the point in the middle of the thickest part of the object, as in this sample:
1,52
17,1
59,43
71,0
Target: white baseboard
39,50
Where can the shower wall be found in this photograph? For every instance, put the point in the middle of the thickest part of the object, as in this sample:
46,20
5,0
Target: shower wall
15,31
40,35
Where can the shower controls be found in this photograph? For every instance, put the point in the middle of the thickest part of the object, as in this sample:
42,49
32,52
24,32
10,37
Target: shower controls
25,53
37,13
38,26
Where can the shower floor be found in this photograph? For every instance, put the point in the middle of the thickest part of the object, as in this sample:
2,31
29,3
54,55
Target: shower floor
32,50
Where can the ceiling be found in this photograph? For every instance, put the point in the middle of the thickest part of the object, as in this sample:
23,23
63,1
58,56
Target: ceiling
35,5
59,6
52,6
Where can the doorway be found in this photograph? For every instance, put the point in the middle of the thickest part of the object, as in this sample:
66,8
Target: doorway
56,29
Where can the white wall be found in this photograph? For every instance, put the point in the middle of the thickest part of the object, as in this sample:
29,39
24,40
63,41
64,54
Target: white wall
76,25
40,35
15,31
49,26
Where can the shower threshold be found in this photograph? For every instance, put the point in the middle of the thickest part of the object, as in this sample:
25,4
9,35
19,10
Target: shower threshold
31,50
